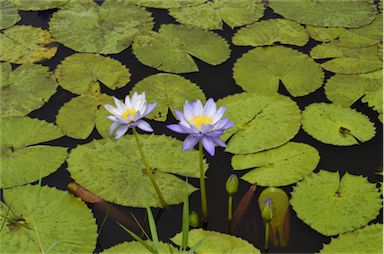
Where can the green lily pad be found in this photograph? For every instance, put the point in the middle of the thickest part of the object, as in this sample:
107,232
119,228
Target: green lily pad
332,206
172,48
215,242
280,166
22,161
78,117
37,5
26,88
26,44
81,72
326,13
324,34
259,119
108,29
118,175
46,220
136,247
365,240
170,91
8,14
161,4
346,89
348,60
337,125
212,14
268,32
280,205
261,69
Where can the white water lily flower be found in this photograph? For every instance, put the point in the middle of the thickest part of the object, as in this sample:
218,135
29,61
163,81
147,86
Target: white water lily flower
129,114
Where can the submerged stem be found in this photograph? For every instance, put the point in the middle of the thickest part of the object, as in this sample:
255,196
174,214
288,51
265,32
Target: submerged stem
148,170
203,193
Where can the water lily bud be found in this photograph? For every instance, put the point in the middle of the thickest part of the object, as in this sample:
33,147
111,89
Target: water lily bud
267,211
232,184
194,219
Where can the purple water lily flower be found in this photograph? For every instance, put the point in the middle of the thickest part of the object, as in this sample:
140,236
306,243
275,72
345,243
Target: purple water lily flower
203,124
129,114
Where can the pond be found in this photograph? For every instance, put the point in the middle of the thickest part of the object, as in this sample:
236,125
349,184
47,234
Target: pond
338,112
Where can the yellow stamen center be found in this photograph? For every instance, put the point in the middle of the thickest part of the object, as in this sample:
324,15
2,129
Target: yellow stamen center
201,119
129,112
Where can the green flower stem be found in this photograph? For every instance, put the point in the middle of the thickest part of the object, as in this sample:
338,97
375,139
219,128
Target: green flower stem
230,198
203,192
148,169
266,242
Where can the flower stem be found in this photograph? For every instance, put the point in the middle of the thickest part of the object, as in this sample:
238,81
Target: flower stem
230,208
148,169
203,192
266,239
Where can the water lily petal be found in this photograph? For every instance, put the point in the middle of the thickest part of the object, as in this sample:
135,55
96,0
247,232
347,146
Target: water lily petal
197,108
188,110
190,142
144,126
219,142
149,109
112,109
210,108
127,102
219,114
114,125
177,128
134,99
118,104
208,145
180,116
214,134
121,131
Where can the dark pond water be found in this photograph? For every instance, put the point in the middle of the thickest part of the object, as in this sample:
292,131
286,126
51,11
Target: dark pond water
217,82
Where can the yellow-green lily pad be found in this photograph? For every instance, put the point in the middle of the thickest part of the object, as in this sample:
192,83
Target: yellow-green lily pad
166,4
108,29
24,89
268,32
346,89
22,159
138,248
337,125
262,68
348,60
331,204
215,242
37,5
82,72
364,240
260,119
326,13
212,14
8,14
46,220
170,91
280,166
26,44
117,173
171,49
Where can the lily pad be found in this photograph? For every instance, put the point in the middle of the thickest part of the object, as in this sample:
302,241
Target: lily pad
136,247
22,160
108,29
8,14
172,48
326,13
170,91
215,242
161,4
324,34
259,119
37,5
117,173
26,44
46,220
365,240
79,73
268,32
261,69
347,89
26,88
337,125
332,206
212,14
348,60
280,166
78,117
